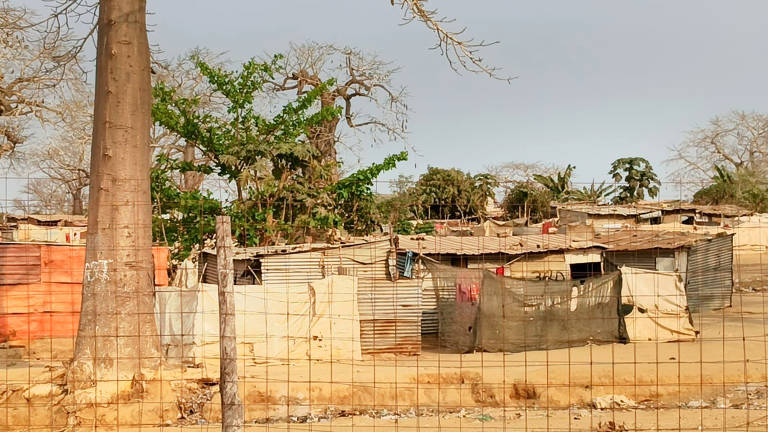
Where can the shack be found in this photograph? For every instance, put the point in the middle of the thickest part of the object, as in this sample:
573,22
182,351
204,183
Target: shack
704,261
555,257
677,212
607,217
71,229
41,287
389,308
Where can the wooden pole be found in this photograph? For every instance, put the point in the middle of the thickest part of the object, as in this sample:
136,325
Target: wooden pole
231,406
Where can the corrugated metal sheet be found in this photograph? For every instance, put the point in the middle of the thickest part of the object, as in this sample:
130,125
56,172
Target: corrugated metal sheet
20,264
48,304
642,259
633,239
246,270
390,312
298,268
605,210
516,245
429,317
710,274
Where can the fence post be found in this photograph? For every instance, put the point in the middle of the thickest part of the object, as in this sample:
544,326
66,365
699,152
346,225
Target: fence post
231,406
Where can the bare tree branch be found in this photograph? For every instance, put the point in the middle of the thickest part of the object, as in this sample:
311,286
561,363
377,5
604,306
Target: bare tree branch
461,52
735,141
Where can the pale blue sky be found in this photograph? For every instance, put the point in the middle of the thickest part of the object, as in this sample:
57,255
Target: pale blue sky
598,79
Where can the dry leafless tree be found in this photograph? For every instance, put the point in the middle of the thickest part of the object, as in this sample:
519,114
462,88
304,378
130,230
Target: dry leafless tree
36,71
363,87
64,157
510,174
734,141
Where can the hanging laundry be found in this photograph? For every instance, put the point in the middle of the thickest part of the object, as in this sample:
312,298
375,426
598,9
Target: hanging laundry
468,286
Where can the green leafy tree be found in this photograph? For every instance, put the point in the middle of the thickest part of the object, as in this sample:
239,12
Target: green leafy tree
741,187
451,193
637,179
528,200
559,185
593,193
283,191
355,200
265,159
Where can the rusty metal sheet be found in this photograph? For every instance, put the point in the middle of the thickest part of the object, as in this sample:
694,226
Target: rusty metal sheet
20,263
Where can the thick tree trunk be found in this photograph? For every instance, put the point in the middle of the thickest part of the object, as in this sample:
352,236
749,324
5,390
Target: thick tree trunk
118,337
191,180
77,202
323,138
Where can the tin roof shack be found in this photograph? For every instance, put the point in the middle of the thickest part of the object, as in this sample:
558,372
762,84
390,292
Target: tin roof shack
535,257
41,287
71,229
606,217
389,310
681,213
705,261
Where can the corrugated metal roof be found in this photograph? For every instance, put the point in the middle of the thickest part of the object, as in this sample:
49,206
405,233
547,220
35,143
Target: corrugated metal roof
644,207
726,210
606,210
240,253
514,245
78,220
627,240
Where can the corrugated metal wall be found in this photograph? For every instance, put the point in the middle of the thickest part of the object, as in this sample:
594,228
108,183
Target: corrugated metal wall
390,312
710,274
208,267
41,288
642,259
20,264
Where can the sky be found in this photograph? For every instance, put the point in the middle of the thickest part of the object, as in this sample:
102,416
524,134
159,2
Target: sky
596,79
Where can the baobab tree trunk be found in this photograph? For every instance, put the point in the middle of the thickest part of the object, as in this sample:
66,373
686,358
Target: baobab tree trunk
117,338
323,138
77,201
191,180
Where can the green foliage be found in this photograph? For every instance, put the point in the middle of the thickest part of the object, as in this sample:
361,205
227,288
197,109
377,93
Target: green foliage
528,200
182,219
741,187
282,190
354,196
637,179
408,228
593,194
558,185
451,193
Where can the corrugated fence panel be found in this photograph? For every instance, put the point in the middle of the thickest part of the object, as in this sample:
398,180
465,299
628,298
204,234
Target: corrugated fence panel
390,312
20,264
710,274
642,259
48,305
429,319
298,268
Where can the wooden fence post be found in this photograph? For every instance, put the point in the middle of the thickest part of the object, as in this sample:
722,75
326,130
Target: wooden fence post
231,406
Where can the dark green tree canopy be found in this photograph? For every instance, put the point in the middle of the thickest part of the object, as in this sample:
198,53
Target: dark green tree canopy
635,179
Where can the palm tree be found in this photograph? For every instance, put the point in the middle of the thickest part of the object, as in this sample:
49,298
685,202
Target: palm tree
593,194
559,185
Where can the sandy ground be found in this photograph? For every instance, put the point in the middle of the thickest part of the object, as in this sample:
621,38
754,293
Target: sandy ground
715,383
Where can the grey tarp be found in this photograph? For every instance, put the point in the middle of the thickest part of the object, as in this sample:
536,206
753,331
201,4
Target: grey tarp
515,315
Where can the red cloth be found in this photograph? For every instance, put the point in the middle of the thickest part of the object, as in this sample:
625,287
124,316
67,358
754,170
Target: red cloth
546,226
467,287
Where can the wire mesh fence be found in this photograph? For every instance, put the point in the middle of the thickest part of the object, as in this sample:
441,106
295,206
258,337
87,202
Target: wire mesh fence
594,318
